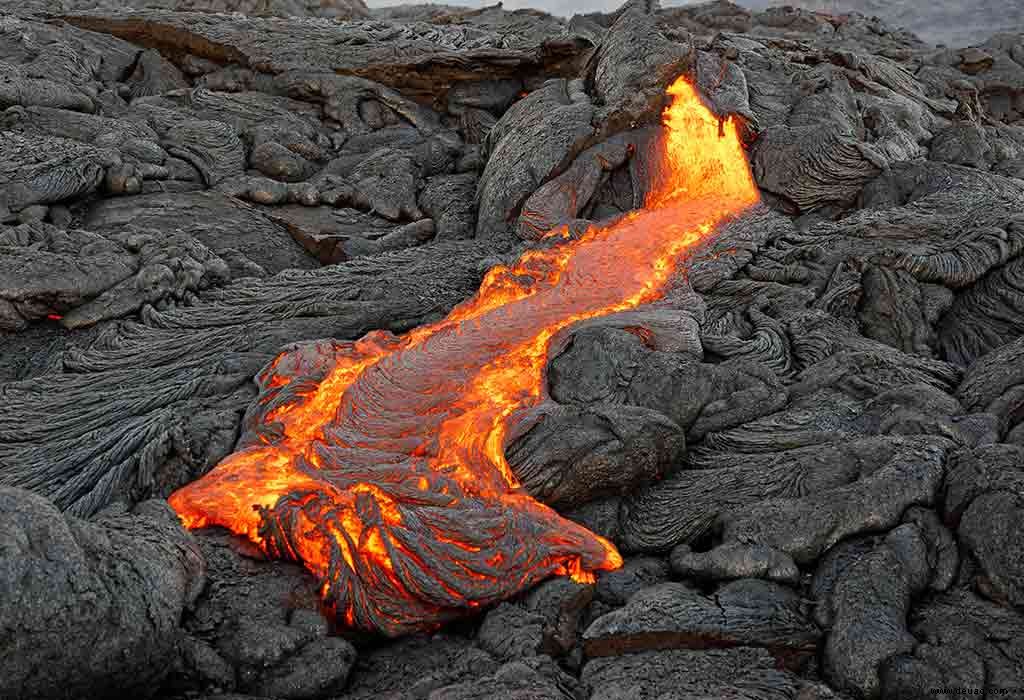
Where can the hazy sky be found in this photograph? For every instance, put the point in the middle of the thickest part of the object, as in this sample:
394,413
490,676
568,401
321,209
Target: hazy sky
555,7
956,22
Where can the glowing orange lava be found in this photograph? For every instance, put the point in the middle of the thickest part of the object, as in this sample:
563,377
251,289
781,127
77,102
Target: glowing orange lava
379,463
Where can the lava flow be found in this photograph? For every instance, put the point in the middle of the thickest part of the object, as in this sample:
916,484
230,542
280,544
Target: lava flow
379,464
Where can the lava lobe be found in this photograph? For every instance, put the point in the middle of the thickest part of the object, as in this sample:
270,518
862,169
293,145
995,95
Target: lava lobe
379,464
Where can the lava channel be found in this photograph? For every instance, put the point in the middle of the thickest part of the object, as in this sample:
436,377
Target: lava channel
379,464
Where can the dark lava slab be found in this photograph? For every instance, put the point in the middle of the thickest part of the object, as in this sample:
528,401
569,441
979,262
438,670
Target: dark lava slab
744,672
748,612
221,223
418,57
117,585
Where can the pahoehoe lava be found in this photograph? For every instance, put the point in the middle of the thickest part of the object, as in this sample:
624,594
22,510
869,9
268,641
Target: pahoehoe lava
387,476
669,352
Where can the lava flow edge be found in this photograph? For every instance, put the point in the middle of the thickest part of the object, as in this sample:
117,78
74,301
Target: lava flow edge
387,477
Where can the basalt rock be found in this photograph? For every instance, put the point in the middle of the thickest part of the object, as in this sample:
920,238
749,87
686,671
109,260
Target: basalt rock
154,75
984,491
536,139
869,605
130,137
993,384
333,235
46,171
633,64
418,666
529,678
804,528
732,561
636,574
689,675
257,628
448,200
572,456
569,195
119,582
509,632
430,56
791,162
756,498
384,181
608,365
224,225
962,639
562,605
747,613
81,278
212,147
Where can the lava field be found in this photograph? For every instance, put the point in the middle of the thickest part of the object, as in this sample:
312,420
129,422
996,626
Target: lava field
432,353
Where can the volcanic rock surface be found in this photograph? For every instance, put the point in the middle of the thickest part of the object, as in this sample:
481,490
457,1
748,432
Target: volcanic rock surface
809,450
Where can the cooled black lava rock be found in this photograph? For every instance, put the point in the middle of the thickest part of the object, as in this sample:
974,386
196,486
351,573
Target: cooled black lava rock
258,628
984,498
92,608
689,675
747,612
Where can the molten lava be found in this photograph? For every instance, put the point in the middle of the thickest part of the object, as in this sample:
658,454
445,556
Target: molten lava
379,463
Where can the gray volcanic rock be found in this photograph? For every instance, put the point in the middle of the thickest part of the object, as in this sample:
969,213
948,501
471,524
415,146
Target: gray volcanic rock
130,137
994,384
518,680
210,146
734,560
223,224
45,171
946,22
416,667
257,628
869,605
689,675
509,632
617,587
565,197
563,605
797,163
575,455
607,365
537,138
805,528
81,278
963,639
633,63
340,9
758,496
333,235
117,584
673,616
984,492
154,75
431,56
448,200
35,284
